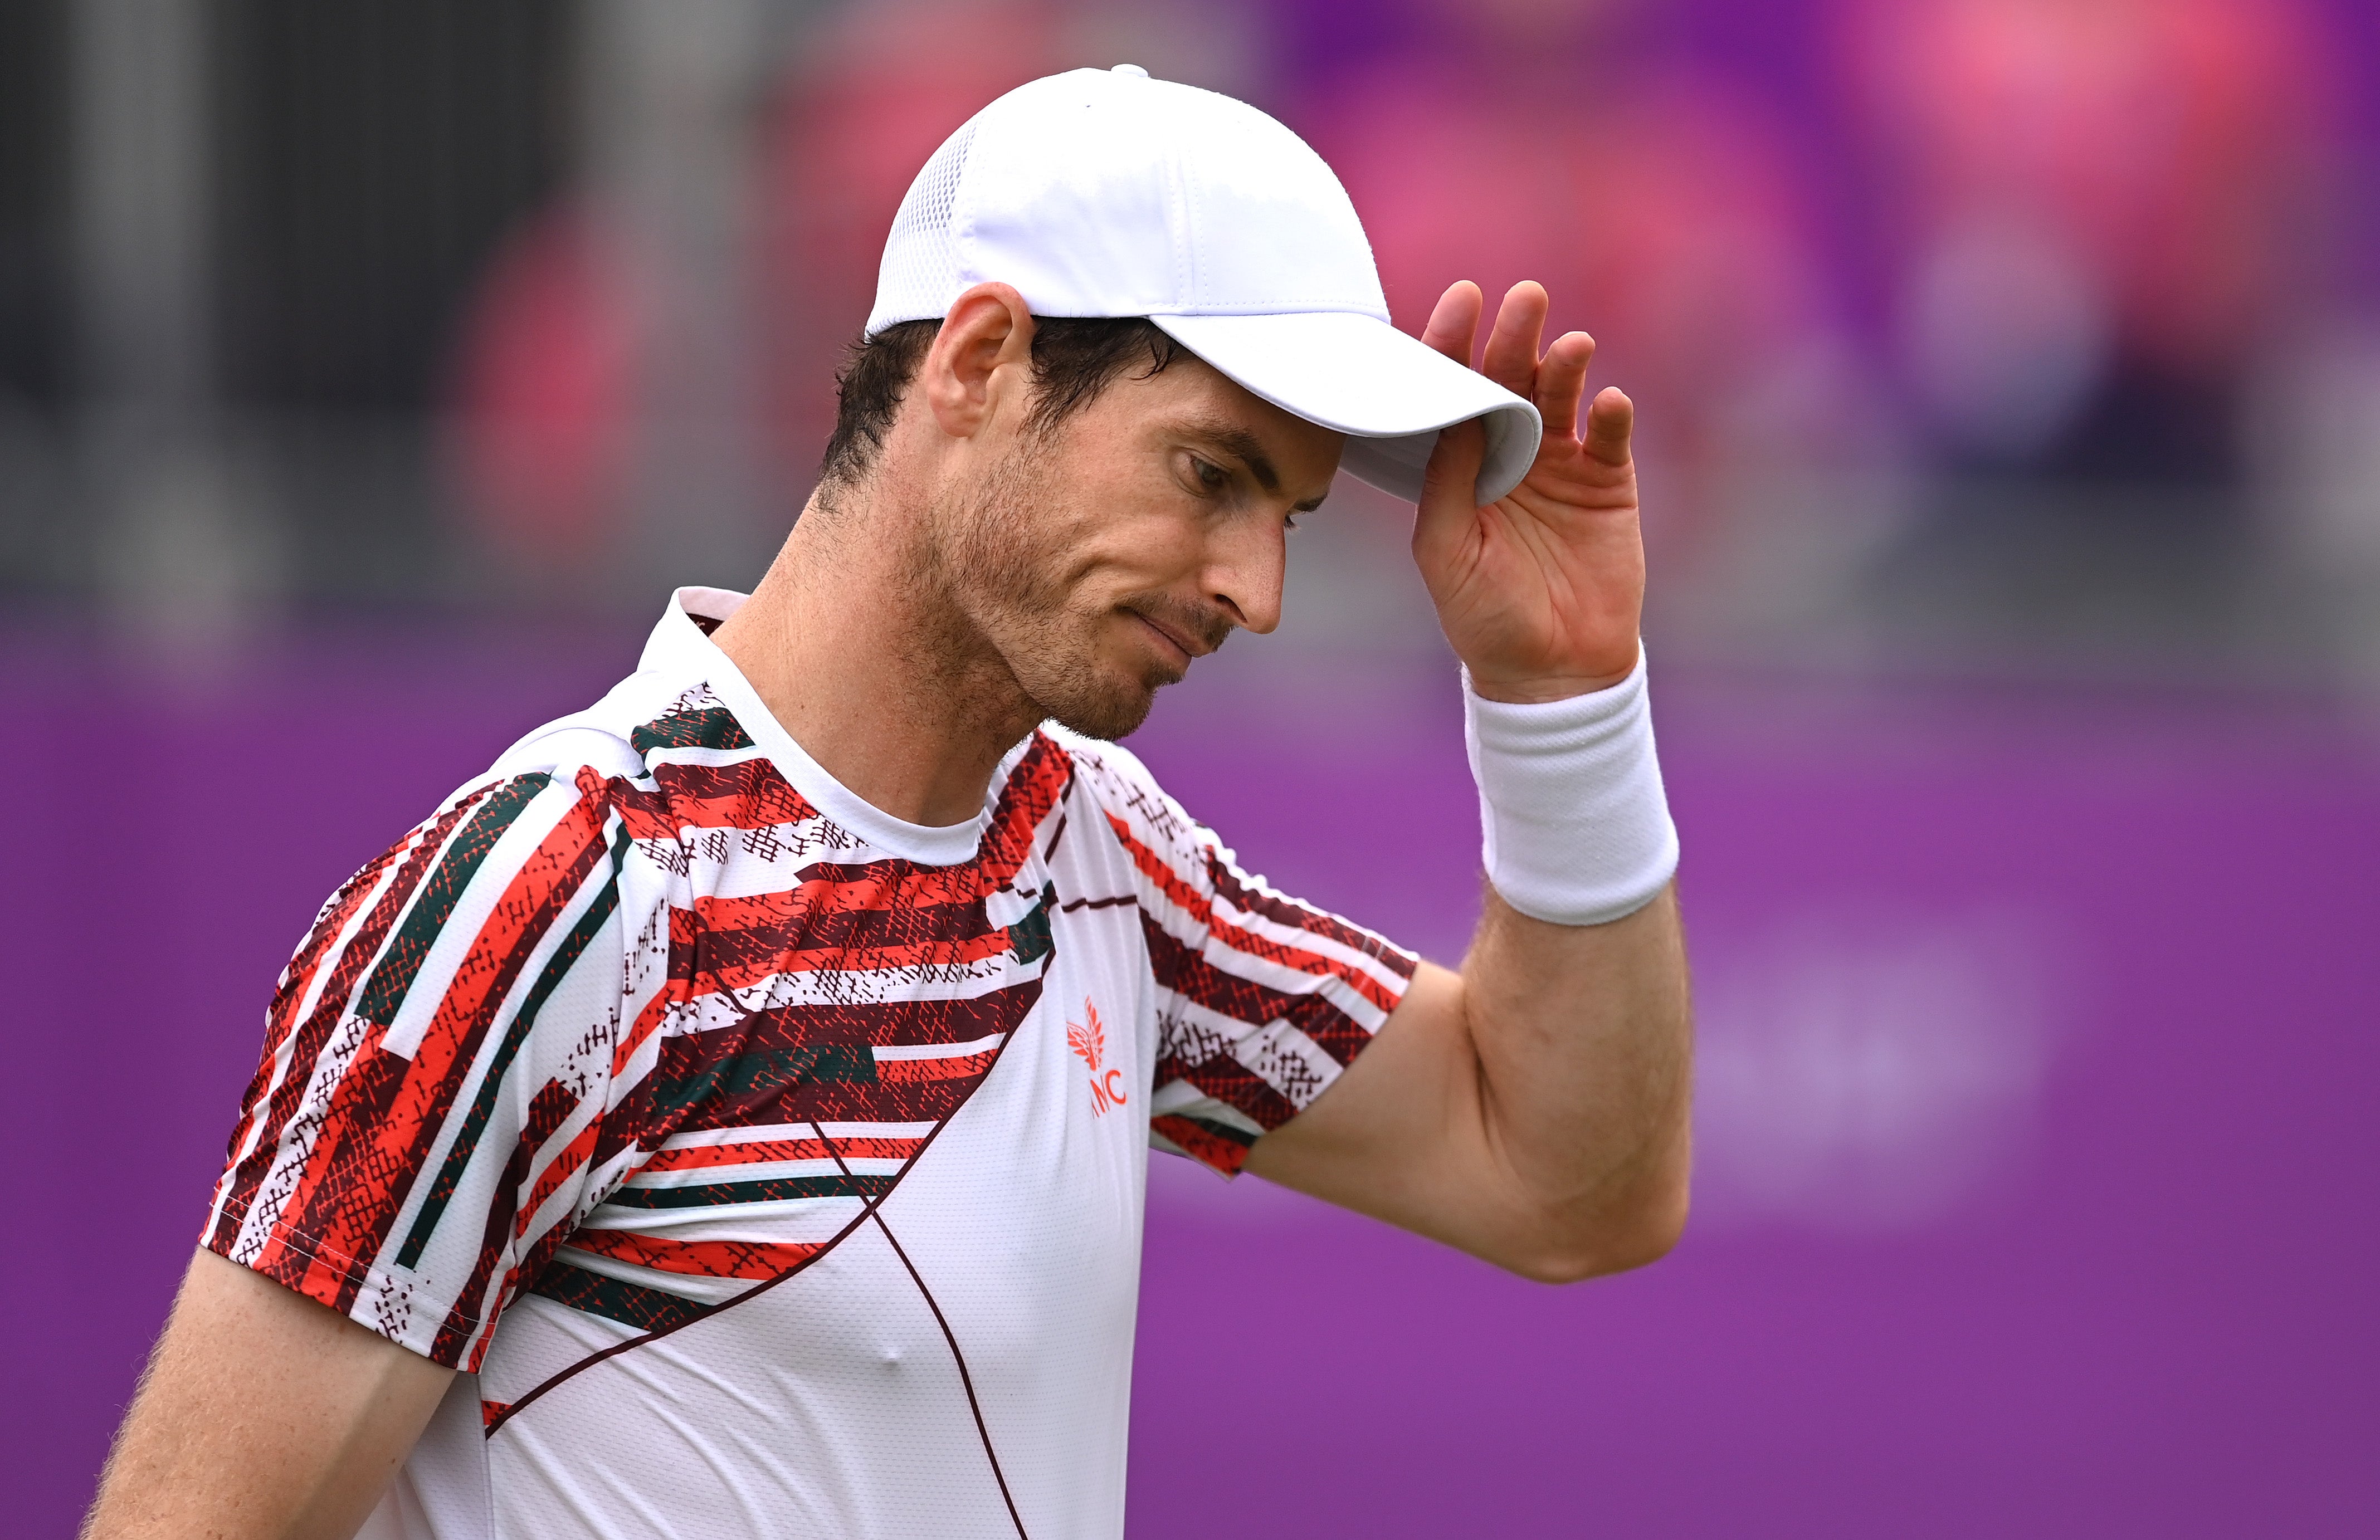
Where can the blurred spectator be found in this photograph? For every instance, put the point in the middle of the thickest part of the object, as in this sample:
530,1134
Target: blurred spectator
855,115
868,99
545,392
605,421
555,392
2101,211
1539,138
2101,220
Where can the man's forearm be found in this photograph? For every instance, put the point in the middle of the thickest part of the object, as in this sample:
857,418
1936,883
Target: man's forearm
1531,1110
1583,1037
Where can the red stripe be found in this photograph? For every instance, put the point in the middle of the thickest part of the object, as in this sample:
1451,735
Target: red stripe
281,1017
893,1101
916,1101
752,1259
890,1024
625,1123
295,1253
1201,910
912,1071
1033,787
874,916
1232,1084
1198,981
688,1158
822,927
548,1110
902,904
1233,887
752,795
648,1021
387,1119
565,1165
281,1021
1202,1143
420,849
463,1341
533,1262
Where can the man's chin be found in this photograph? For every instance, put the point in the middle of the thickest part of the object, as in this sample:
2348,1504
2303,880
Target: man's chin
1114,712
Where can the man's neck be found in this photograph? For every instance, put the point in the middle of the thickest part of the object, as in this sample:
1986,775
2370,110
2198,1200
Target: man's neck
875,675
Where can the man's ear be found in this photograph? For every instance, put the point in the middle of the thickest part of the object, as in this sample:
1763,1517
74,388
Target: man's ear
981,360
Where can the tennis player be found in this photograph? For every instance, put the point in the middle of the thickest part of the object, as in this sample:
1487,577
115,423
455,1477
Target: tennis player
729,1115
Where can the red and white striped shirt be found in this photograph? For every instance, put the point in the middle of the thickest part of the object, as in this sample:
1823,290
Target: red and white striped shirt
769,1165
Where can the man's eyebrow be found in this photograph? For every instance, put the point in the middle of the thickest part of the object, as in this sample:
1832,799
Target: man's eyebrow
1249,450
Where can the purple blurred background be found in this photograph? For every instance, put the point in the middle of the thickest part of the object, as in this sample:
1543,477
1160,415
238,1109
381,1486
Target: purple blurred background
2038,1158
2010,378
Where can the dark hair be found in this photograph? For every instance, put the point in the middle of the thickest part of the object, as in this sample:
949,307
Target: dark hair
1073,360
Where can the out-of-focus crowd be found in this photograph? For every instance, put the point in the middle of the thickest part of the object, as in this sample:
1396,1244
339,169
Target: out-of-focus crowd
2010,325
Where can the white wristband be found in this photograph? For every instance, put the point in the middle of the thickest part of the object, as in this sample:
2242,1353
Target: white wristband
1574,826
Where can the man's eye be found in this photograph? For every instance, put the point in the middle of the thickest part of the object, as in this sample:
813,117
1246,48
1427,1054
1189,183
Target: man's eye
1211,475
1290,523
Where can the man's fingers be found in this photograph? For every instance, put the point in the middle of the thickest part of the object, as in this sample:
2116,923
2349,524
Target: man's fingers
1609,423
1512,358
1455,321
1561,380
1448,494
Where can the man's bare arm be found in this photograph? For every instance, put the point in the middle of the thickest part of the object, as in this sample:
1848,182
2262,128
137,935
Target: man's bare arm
261,1415
1532,1110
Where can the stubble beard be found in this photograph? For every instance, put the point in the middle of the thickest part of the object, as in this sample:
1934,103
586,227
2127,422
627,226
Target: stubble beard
997,561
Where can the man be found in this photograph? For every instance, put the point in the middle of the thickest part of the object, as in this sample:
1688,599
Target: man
730,1115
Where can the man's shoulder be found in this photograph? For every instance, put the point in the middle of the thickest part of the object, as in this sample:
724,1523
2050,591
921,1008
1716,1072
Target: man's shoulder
636,721
1110,772
1136,806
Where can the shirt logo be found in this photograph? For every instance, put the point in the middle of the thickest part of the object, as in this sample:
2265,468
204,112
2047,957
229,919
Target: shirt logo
1090,1044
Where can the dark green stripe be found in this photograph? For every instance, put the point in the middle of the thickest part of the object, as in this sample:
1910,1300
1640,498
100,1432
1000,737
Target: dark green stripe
710,1194
1030,935
629,1304
755,1072
713,728
387,991
483,1106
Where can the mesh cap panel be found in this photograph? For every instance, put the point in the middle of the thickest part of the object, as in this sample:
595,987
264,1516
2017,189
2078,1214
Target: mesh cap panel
921,260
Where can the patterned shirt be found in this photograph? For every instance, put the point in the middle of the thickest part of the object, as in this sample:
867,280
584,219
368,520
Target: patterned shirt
767,1164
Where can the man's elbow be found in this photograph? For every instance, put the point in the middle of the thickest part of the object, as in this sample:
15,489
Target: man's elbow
1614,1239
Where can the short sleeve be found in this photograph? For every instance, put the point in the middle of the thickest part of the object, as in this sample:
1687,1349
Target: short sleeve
438,1057
1263,1000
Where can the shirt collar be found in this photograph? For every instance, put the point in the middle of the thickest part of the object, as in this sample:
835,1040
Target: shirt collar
679,647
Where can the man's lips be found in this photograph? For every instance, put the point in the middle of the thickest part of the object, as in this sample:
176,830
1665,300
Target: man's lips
1173,640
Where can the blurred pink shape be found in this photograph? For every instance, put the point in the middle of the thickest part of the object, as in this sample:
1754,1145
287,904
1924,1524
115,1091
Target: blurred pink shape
2167,143
858,113
546,390
1655,208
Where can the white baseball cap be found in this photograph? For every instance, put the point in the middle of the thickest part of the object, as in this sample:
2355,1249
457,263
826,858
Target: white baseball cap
1102,192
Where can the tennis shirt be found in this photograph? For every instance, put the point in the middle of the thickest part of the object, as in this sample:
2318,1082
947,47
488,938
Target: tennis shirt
766,1165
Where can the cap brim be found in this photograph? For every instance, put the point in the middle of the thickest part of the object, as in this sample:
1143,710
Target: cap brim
1385,390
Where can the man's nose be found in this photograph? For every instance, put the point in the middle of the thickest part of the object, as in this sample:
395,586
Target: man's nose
1245,572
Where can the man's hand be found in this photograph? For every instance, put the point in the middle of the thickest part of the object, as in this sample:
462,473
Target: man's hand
1541,591
1531,1110
263,1415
